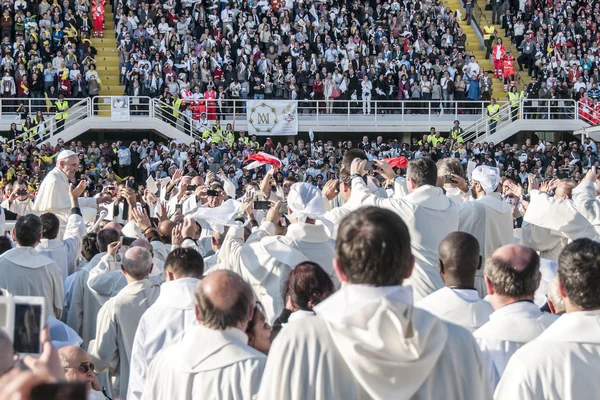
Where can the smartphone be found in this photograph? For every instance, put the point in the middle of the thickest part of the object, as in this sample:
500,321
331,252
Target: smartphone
129,184
59,391
7,315
191,188
449,178
262,205
212,193
369,166
283,208
22,192
178,207
29,320
126,241
510,201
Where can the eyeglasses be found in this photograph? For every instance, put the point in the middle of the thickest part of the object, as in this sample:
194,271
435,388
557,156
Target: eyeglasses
83,367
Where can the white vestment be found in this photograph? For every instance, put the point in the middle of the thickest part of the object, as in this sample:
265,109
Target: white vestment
206,363
561,363
458,306
429,215
509,328
117,322
53,197
66,251
84,306
265,260
490,220
161,325
19,207
24,271
371,343
584,198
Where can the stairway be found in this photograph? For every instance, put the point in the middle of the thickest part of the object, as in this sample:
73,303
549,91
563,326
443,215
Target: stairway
107,59
476,47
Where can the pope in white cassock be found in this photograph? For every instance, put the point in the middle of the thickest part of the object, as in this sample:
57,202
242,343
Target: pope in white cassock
488,218
368,341
512,275
212,359
563,361
458,302
53,195
428,213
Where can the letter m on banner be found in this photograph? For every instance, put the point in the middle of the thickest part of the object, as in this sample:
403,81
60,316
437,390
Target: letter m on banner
272,117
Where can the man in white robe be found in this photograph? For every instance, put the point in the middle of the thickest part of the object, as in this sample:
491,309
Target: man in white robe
165,321
561,363
458,302
53,195
84,306
19,201
213,357
367,341
511,276
488,218
118,319
79,368
266,259
428,213
26,272
585,200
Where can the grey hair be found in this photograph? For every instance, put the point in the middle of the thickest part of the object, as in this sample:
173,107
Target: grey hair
509,282
137,262
447,166
554,296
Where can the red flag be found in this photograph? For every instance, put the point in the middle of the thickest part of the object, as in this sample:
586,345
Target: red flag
397,162
262,158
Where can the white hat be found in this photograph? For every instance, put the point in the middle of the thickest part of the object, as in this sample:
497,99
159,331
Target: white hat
65,154
488,177
305,201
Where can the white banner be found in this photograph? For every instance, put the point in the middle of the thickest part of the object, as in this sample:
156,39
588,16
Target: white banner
119,108
272,117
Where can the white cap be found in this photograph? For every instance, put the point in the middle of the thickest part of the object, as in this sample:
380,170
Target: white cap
488,177
65,154
305,201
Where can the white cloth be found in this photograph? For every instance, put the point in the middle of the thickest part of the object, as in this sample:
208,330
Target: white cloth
19,207
509,328
584,199
371,343
117,323
429,215
488,177
162,324
490,220
24,271
461,307
206,363
61,334
66,251
558,364
53,196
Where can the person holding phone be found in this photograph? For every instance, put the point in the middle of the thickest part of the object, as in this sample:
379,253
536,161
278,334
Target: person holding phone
19,200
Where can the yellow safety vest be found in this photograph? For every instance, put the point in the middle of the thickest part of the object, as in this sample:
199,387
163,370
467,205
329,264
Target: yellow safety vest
493,111
176,107
514,98
61,107
488,31
436,140
230,138
243,140
454,134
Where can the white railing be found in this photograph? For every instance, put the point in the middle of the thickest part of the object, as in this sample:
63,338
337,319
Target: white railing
527,109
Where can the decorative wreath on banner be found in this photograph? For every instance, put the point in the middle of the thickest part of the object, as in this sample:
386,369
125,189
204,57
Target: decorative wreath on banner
263,118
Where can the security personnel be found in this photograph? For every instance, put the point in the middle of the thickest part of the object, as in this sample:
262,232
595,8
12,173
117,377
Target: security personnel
176,107
492,111
165,103
514,97
488,32
61,112
456,133
243,139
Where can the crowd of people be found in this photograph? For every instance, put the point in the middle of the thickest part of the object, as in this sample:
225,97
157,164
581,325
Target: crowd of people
172,270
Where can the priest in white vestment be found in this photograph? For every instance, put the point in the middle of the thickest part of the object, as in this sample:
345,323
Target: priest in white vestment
488,218
511,276
428,213
266,259
562,362
119,317
458,302
585,200
19,201
53,195
368,341
84,306
26,272
213,358
165,321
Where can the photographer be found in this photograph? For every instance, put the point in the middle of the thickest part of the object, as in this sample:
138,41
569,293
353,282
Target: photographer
19,200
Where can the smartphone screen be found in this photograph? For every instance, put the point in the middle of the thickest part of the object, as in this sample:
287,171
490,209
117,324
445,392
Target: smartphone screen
178,207
212,193
59,391
369,166
262,205
28,325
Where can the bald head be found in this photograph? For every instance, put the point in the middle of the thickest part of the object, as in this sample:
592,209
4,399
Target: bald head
71,356
197,181
113,225
459,259
6,353
224,300
564,189
137,263
165,229
143,243
513,272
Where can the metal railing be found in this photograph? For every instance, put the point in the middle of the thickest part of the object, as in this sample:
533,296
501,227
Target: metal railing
527,109
8,107
139,106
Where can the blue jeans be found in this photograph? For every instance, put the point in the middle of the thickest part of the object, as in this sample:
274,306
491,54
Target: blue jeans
259,97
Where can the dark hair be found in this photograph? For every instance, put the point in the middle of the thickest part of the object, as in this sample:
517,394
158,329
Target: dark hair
258,307
423,171
351,154
307,282
512,283
28,230
221,319
5,244
89,246
50,225
579,273
105,237
373,247
185,262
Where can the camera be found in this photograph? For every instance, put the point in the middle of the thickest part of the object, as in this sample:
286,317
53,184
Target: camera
23,318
